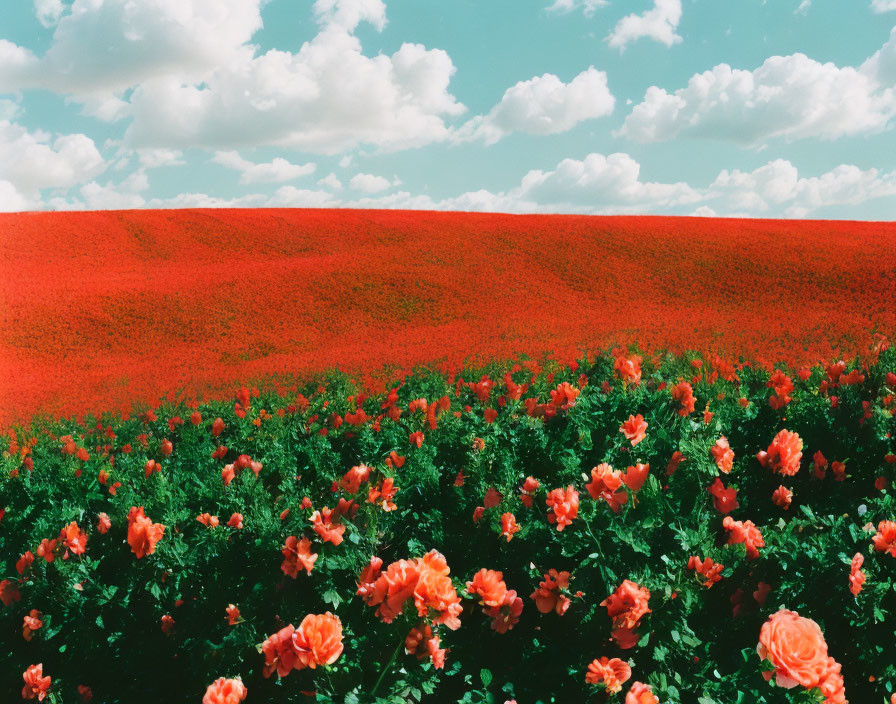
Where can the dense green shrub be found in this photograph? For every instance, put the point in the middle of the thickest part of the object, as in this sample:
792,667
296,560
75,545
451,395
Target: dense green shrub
102,610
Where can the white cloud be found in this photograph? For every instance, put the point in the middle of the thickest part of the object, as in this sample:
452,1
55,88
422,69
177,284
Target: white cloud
123,195
368,183
543,105
346,161
881,6
600,181
331,181
348,14
777,188
11,201
156,158
106,46
185,74
588,6
658,23
791,97
704,211
275,171
33,161
48,11
327,98
292,197
803,7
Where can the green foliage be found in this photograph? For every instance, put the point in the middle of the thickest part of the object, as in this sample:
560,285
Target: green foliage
102,610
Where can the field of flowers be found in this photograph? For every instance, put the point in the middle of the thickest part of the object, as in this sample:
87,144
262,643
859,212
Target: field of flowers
632,528
102,309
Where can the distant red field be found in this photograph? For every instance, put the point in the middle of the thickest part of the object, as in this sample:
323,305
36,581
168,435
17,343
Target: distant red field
104,309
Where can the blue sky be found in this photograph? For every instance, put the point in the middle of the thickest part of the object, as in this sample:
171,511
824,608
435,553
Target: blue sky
783,108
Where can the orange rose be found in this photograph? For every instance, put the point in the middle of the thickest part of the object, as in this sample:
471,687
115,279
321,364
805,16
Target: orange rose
318,640
612,673
796,647
225,691
640,693
489,585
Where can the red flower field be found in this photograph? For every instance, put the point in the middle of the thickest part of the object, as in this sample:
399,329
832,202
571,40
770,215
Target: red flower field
103,309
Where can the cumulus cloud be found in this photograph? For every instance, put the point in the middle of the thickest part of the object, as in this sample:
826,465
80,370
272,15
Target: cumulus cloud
369,183
156,158
599,181
33,161
275,171
881,6
658,23
109,46
348,14
791,97
48,11
543,105
116,196
778,188
330,181
327,98
588,6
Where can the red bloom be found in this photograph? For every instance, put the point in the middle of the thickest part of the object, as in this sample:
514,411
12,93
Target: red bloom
477,513
233,614
711,571
317,640
508,526
885,540
564,396
236,521
634,429
208,520
492,498
74,538
322,523
225,691
143,534
36,685
549,597
784,454
782,497
819,463
683,393
47,549
279,654
641,693
838,469
612,673
85,693
744,532
354,478
724,500
635,476
490,587
507,615
104,523
167,624
606,484
296,552
783,386
628,368
24,562
723,455
32,623
383,494
626,606
856,575
564,505
416,438
676,459
9,592
217,427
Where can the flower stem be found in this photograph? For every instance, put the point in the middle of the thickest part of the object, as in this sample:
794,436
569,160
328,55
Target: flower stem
386,668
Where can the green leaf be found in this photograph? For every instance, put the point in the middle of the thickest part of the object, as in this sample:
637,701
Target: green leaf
486,677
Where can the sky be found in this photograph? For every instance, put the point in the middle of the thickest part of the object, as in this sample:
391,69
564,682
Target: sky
777,108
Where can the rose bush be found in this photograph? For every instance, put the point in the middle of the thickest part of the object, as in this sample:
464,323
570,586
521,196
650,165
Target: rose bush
625,529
